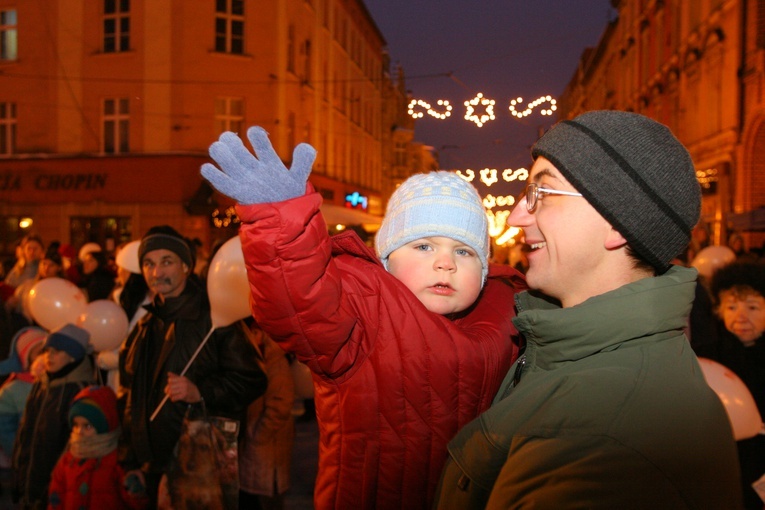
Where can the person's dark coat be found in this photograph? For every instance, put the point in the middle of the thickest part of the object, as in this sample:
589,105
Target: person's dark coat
44,430
226,372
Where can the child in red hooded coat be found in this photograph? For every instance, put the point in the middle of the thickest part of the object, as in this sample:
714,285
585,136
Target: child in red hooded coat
87,474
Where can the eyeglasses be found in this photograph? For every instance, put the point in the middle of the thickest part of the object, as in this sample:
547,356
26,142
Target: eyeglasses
534,193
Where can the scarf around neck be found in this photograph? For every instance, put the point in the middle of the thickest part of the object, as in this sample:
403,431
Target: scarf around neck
94,447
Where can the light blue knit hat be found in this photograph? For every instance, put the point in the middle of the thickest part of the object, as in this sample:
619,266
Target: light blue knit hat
435,204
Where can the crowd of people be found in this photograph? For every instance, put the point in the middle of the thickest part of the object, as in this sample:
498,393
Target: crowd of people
441,380
84,429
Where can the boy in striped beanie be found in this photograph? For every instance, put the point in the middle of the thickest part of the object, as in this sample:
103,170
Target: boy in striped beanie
406,343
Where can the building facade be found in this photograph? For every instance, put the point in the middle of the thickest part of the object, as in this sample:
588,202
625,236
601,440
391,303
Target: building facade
108,107
697,66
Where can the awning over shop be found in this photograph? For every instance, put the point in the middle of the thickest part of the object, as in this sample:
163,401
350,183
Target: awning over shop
335,214
750,221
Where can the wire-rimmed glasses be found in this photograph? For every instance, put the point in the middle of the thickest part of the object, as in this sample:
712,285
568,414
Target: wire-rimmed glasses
533,195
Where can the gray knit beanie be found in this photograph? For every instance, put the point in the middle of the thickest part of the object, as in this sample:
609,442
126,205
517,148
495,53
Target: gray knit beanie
436,204
635,173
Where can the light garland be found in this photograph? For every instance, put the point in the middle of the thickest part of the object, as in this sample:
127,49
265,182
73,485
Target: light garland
497,222
418,108
430,111
498,228
707,178
222,219
532,105
489,175
507,236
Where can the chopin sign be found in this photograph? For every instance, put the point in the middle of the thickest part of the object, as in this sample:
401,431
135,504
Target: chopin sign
12,181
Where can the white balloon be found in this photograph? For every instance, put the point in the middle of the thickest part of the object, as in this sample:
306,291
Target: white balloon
87,248
55,302
227,285
735,396
127,257
106,322
712,258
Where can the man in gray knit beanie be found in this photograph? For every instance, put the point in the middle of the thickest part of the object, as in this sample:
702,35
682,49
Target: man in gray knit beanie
607,407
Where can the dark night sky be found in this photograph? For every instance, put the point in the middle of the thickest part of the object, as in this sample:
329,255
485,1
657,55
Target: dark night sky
504,49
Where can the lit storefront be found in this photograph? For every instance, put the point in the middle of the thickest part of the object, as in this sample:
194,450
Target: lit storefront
112,200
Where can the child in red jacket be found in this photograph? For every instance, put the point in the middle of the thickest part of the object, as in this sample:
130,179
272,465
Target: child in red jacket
406,345
87,475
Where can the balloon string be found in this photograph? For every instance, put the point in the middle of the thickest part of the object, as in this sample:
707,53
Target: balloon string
185,369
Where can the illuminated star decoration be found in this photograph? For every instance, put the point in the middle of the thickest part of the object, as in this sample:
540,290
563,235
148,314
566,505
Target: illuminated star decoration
470,114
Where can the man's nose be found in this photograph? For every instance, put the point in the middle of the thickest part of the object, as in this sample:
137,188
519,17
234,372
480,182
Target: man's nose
520,216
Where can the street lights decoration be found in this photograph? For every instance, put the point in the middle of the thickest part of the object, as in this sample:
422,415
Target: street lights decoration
532,105
418,108
497,219
447,112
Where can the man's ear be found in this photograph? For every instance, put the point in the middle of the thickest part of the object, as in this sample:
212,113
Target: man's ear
185,268
614,240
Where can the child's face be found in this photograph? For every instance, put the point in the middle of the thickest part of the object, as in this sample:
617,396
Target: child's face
743,314
444,274
34,352
37,368
81,427
55,360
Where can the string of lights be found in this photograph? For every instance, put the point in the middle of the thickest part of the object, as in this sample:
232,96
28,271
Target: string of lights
417,108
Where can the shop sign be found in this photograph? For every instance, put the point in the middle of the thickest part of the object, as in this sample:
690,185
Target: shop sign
356,200
55,182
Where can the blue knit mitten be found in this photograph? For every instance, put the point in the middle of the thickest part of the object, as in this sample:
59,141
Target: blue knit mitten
257,178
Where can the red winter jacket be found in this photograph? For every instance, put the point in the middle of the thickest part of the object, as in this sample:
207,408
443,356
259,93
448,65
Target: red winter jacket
393,381
79,484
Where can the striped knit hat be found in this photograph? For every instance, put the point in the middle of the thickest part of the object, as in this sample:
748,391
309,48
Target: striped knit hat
635,173
26,340
21,345
436,204
98,405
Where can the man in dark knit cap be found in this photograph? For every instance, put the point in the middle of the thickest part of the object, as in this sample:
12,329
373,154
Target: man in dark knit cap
225,374
607,407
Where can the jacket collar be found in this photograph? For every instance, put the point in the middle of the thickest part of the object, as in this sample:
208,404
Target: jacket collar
650,307
349,242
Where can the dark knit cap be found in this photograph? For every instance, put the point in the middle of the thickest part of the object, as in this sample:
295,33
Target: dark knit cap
98,405
635,173
164,237
71,339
